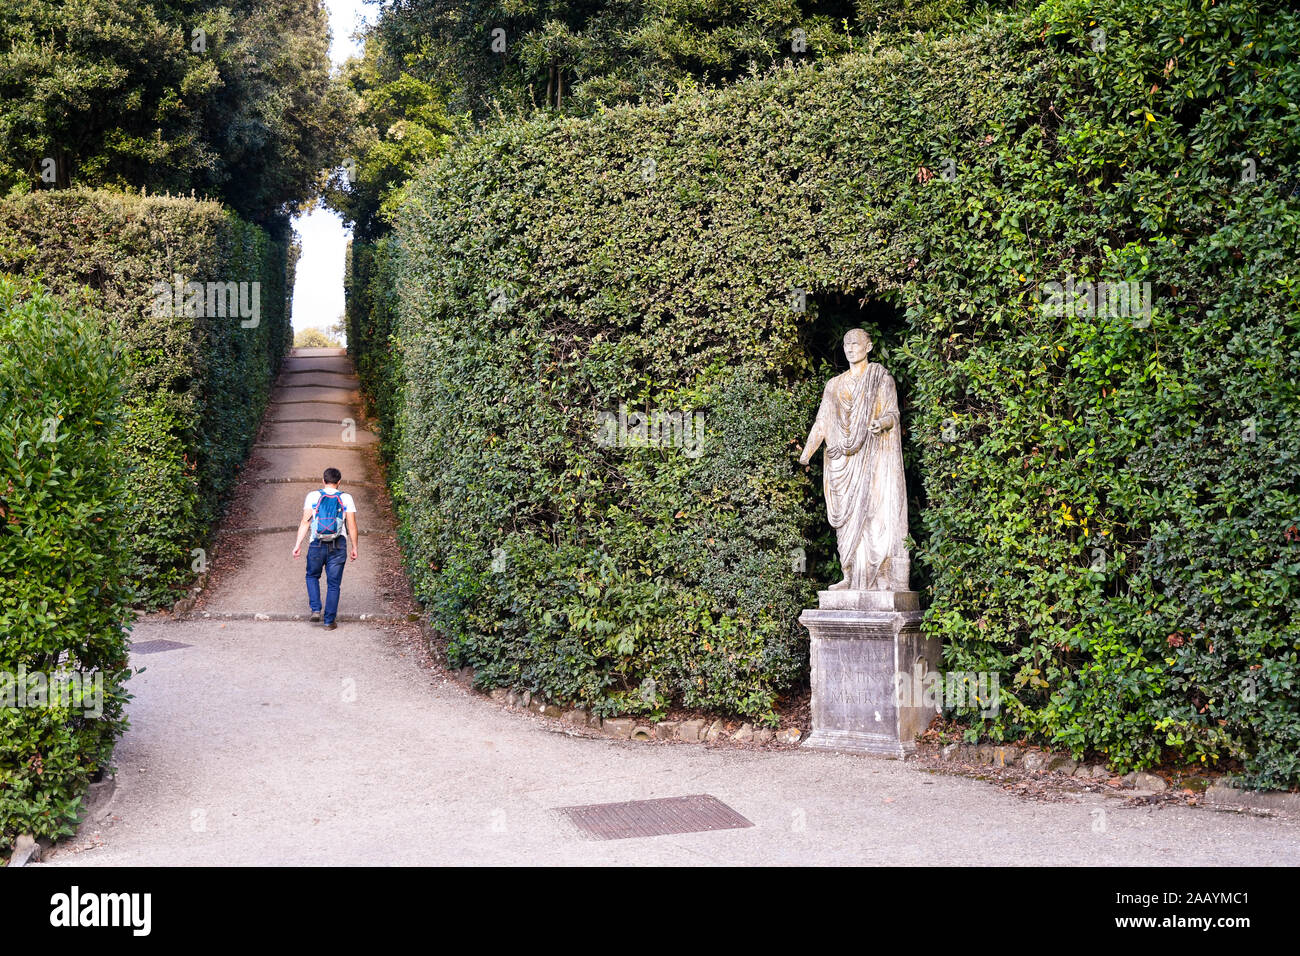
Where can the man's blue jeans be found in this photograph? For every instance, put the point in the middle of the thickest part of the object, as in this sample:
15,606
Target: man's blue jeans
332,558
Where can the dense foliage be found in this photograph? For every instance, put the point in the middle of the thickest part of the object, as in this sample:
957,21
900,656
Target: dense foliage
198,376
1105,502
401,124
578,54
429,65
64,585
371,316
231,98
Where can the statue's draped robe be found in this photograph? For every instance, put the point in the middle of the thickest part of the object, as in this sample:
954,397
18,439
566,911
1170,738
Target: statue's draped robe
865,497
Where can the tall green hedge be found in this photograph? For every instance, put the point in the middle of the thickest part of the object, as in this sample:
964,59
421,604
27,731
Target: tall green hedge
1105,508
371,314
64,565
197,384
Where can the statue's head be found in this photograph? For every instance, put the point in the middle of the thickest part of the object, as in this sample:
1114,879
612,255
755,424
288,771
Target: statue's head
857,343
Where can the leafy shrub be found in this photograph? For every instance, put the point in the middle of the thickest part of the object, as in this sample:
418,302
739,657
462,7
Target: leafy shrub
371,315
196,385
250,119
1105,507
64,565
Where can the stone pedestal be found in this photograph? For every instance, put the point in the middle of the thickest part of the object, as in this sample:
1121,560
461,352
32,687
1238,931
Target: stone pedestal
868,660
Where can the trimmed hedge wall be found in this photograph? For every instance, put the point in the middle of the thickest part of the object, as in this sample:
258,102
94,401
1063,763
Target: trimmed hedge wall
1105,507
197,385
64,565
371,313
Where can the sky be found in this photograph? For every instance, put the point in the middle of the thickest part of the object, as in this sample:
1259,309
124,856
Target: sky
318,285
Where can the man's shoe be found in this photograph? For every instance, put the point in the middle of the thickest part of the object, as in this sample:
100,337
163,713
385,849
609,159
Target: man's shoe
331,626
315,616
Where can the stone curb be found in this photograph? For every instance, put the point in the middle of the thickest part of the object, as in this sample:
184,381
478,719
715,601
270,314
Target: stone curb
352,387
27,850
186,604
1037,760
299,616
1218,796
312,481
697,730
1221,796
97,803
340,446
314,401
299,421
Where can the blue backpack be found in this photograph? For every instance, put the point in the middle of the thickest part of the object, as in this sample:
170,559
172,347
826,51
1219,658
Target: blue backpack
329,516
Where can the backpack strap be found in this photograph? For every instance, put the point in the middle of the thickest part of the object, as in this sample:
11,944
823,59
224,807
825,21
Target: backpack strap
316,511
333,494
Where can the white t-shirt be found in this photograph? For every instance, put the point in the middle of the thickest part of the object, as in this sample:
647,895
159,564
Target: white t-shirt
349,508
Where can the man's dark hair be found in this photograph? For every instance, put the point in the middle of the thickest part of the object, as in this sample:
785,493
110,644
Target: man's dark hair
333,476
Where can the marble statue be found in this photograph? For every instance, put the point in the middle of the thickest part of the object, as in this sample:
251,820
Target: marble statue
866,500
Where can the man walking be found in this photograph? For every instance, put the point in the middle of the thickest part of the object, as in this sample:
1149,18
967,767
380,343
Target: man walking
331,517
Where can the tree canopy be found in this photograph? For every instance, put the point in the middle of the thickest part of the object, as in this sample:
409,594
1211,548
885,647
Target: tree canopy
401,123
431,63
579,54
230,98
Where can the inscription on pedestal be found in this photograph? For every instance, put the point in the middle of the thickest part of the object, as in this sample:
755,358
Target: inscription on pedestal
855,690
864,664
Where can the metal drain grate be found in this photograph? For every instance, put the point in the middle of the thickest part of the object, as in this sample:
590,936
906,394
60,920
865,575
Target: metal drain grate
647,818
156,647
